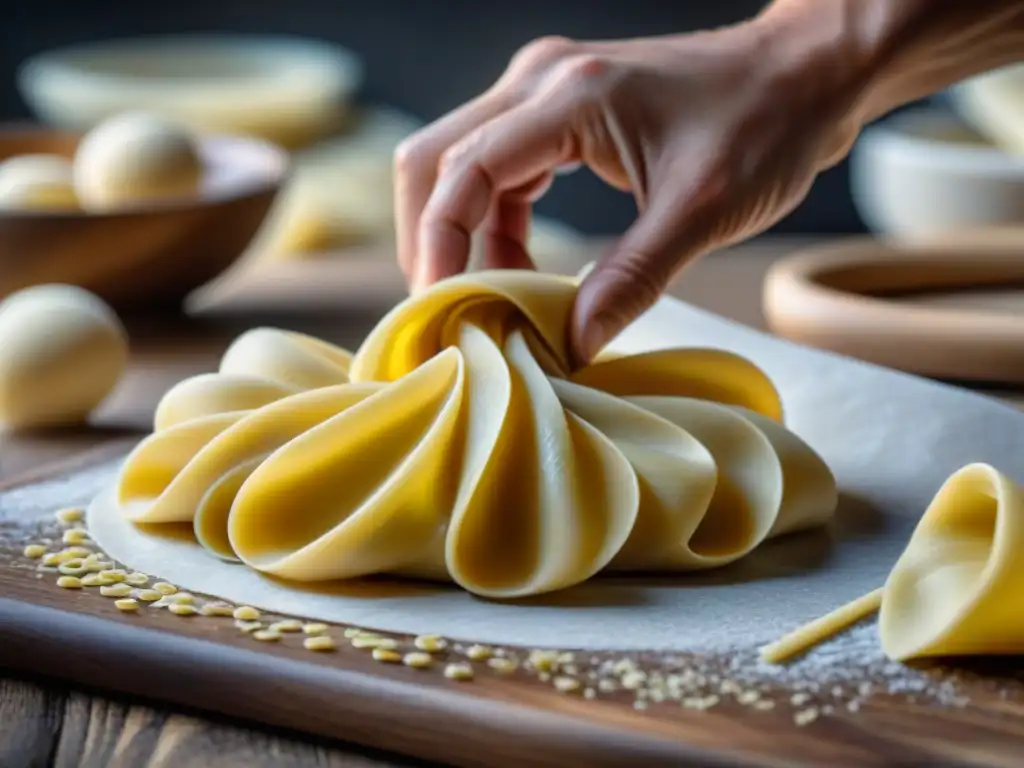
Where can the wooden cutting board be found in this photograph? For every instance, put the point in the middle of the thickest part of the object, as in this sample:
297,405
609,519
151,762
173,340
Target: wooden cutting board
494,720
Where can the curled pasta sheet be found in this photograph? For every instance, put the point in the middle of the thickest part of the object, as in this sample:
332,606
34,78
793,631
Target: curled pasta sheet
955,590
459,444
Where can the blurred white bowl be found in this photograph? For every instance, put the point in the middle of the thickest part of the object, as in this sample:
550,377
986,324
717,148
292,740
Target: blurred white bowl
923,172
286,90
993,104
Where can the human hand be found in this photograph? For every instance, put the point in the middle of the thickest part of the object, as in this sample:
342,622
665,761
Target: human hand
718,135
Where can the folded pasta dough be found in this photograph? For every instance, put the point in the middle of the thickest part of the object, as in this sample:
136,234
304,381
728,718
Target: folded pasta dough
459,443
956,588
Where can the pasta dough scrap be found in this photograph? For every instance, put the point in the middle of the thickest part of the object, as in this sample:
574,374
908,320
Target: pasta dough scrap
458,443
955,590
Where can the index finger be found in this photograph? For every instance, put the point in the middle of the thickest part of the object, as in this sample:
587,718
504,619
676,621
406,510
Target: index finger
511,152
416,166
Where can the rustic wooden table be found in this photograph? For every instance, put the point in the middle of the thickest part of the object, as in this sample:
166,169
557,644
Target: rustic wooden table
45,723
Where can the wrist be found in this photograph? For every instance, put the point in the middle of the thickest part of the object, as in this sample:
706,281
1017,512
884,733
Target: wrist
885,53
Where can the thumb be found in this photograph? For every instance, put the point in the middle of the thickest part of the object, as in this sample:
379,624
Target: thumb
634,274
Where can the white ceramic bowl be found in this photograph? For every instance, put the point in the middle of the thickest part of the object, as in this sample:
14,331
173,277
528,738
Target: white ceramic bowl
923,172
993,104
287,90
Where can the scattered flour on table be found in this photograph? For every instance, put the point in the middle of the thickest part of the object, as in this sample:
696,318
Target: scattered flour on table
840,674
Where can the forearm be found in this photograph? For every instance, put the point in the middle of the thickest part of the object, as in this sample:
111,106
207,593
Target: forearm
890,52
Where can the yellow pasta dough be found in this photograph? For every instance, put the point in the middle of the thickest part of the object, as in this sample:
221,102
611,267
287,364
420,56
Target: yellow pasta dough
458,443
956,588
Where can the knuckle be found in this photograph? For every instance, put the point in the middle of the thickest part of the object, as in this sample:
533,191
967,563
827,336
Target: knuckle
458,155
538,55
582,69
411,156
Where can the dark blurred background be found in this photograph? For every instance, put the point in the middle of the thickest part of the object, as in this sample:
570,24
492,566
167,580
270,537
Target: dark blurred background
424,56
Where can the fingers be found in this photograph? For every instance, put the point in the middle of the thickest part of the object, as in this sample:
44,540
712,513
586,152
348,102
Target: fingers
637,270
416,166
507,160
506,234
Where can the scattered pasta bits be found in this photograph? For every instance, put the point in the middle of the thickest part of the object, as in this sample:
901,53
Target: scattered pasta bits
314,628
566,684
52,560
502,666
94,580
430,643
318,643
248,626
34,551
386,656
544,661
77,551
127,604
69,582
217,609
363,642
74,567
806,716
137,579
75,536
418,660
148,595
164,588
246,613
181,598
115,590
458,671
113,575
266,636
286,625
351,632
479,652
182,609
68,515
97,566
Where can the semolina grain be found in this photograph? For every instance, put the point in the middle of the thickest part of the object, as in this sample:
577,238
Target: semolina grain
318,643
115,590
458,671
216,609
418,660
68,515
430,643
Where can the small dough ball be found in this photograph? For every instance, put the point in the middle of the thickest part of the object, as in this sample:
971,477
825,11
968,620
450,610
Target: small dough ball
62,351
133,158
37,183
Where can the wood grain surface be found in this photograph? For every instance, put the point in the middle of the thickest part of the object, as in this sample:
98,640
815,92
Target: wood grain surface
48,634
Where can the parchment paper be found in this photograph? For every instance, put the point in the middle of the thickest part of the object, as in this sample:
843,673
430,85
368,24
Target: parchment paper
891,440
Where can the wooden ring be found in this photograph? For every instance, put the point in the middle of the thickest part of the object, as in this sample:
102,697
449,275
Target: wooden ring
834,297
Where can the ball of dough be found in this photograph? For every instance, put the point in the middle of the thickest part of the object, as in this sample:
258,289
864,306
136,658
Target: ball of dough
134,158
37,183
62,351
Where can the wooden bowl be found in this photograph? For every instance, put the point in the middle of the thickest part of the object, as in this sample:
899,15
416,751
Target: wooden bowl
950,309
147,257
